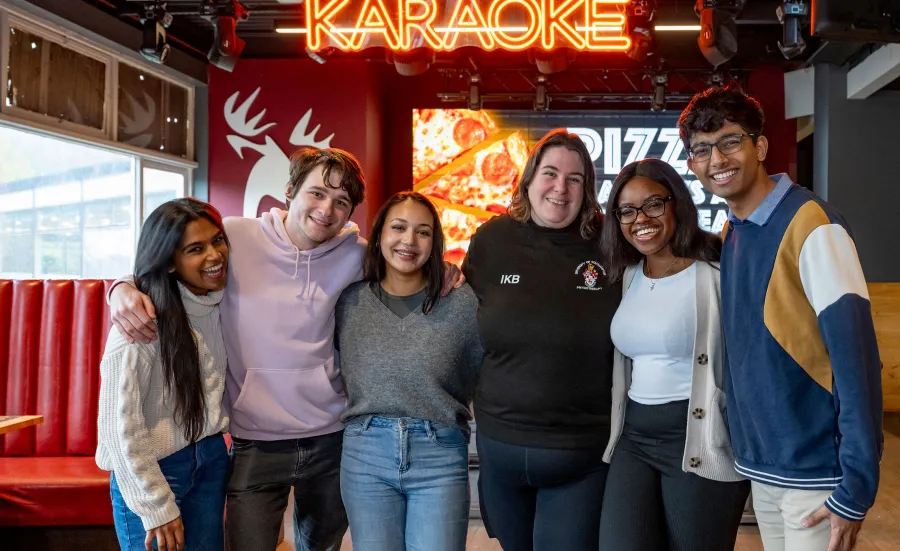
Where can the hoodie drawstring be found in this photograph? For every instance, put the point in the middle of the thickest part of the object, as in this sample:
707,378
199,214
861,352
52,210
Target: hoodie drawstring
306,294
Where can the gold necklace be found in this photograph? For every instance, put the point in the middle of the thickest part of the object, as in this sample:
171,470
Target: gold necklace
653,281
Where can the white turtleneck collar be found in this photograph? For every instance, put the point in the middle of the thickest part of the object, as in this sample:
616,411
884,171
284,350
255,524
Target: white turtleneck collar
199,305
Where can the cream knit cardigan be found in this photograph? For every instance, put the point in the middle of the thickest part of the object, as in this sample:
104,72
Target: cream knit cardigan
136,425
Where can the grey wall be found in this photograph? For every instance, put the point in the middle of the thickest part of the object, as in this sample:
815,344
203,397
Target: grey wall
857,167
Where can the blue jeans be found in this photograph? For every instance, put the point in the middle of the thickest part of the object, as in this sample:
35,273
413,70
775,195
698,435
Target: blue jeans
197,477
405,484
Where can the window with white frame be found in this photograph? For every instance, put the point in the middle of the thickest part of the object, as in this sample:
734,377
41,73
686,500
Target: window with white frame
90,144
71,210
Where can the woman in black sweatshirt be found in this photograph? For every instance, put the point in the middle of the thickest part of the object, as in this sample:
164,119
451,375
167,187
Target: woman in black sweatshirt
543,399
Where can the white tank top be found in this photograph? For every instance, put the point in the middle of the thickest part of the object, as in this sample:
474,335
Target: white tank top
655,328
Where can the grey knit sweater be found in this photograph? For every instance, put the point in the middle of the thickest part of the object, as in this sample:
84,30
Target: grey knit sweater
421,366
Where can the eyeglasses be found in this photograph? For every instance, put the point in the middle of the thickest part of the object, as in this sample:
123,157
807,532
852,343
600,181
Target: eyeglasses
727,144
652,208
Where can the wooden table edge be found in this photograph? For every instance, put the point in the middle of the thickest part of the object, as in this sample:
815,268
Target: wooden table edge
20,422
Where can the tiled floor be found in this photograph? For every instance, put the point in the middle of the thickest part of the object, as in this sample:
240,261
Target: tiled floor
881,531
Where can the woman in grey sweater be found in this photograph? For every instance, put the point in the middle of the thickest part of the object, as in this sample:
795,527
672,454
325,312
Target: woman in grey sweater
409,361
672,484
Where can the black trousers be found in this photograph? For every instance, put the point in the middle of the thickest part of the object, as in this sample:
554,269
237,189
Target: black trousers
536,499
651,503
263,474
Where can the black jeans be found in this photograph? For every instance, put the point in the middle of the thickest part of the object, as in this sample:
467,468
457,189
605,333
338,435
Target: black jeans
651,503
263,474
540,499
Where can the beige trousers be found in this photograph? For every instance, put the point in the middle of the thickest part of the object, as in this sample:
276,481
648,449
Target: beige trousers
779,513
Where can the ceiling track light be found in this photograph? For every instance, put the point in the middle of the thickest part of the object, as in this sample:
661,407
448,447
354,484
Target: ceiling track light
474,98
541,99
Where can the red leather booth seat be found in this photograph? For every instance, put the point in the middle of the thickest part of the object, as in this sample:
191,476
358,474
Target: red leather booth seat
52,335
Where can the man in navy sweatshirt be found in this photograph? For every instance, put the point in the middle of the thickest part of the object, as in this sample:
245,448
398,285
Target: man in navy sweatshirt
804,379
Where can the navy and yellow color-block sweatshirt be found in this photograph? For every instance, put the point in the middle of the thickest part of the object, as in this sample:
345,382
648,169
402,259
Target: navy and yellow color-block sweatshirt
804,377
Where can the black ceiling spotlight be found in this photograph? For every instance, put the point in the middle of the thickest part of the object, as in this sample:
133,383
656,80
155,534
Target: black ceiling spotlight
156,20
551,61
475,92
541,99
718,31
224,16
792,14
658,97
413,62
639,28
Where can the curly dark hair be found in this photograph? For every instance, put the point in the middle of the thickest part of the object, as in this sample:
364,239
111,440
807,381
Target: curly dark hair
689,240
709,110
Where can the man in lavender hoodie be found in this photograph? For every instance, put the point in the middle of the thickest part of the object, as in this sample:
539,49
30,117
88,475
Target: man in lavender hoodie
286,271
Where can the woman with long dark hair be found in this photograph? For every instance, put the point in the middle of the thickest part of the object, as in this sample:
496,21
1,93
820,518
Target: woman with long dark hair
543,397
161,421
672,484
409,360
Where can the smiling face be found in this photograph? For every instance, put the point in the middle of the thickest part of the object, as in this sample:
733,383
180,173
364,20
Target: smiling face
406,238
557,190
733,176
318,211
201,261
647,235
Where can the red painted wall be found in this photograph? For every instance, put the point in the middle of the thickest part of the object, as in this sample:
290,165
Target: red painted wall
767,86
344,100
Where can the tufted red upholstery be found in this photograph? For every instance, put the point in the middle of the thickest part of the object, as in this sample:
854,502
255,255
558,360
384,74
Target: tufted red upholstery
52,335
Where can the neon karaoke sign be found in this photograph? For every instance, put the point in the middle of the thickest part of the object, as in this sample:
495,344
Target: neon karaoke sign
592,25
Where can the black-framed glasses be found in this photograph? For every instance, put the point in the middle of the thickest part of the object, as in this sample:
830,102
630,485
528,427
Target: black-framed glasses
727,144
652,208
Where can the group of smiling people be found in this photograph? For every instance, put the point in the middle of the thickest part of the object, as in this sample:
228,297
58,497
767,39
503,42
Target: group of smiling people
611,414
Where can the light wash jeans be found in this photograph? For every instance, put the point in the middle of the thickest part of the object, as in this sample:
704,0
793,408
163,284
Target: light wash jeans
405,485
197,476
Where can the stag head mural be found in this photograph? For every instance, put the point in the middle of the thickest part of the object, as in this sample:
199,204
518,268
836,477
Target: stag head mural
269,175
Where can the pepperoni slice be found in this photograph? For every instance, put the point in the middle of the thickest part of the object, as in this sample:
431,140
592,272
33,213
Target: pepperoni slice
468,133
498,169
467,169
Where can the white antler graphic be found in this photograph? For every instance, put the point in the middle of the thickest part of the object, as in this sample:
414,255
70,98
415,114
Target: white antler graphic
237,118
269,175
300,137
237,121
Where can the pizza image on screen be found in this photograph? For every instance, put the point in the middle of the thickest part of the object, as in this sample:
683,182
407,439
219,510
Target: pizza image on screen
458,229
468,167
441,135
484,179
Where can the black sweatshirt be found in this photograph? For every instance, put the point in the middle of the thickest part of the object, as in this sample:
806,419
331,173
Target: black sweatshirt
545,308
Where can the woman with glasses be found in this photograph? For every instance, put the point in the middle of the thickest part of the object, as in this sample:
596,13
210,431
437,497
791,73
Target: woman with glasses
672,483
